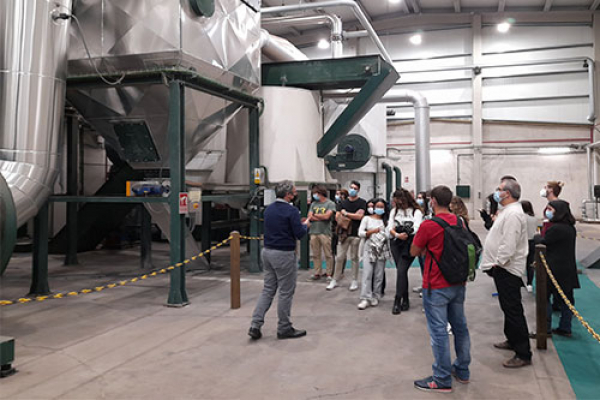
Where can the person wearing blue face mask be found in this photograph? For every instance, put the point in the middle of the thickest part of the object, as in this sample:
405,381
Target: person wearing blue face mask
320,213
353,208
504,259
376,252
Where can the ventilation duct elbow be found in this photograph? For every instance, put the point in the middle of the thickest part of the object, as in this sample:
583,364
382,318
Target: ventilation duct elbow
279,49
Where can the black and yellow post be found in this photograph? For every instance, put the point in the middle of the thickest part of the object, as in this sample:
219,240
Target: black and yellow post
39,273
176,137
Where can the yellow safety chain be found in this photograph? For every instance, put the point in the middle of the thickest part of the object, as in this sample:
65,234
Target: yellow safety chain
588,238
150,274
567,302
252,237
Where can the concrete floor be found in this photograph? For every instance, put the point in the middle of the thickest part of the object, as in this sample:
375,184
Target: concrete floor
123,343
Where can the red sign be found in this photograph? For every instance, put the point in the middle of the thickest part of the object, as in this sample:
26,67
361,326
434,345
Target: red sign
406,179
183,203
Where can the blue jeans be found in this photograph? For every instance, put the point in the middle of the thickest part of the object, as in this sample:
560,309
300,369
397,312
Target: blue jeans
443,306
566,315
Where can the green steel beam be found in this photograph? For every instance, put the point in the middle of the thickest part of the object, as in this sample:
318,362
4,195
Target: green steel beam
107,199
39,275
176,139
145,238
205,237
388,181
338,73
398,175
159,76
8,224
254,162
369,95
72,189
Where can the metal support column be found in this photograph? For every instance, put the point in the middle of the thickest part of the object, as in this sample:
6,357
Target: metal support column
72,189
398,176
206,227
304,242
176,134
145,238
477,124
39,275
388,181
254,155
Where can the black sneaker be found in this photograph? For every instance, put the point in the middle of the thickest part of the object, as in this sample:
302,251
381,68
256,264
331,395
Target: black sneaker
291,334
254,333
561,332
429,385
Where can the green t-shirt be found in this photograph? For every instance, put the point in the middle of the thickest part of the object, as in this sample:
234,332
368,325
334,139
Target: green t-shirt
321,227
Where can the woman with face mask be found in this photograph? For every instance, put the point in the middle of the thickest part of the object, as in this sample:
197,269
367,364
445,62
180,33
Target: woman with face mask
375,254
560,255
405,219
340,195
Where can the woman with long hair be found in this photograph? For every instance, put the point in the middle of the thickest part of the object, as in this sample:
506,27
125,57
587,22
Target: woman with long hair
405,219
375,253
560,254
458,207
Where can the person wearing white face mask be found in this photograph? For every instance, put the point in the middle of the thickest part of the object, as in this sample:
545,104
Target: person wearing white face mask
550,191
375,254
504,259
320,214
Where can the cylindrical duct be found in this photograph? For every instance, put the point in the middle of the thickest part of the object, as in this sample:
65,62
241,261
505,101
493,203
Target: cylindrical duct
279,49
33,66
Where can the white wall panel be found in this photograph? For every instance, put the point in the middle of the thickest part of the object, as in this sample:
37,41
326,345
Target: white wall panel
446,111
528,37
535,86
439,92
510,58
560,110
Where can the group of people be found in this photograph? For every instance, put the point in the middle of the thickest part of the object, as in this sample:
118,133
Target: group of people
376,232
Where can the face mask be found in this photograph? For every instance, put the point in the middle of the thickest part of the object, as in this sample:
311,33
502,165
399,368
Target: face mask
337,198
353,192
497,197
370,210
316,197
549,214
379,211
543,193
420,202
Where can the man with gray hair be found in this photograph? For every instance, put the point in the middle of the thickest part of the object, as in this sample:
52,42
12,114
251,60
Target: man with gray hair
504,259
282,227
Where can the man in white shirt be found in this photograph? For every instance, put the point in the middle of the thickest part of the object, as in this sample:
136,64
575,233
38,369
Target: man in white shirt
505,259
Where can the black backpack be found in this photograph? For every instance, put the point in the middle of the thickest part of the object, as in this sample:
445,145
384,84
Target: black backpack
459,258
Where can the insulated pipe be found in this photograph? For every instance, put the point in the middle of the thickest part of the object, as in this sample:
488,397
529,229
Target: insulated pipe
398,175
279,49
333,20
388,181
335,3
422,140
33,69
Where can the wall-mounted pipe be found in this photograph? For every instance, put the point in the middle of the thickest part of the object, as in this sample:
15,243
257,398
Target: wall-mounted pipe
279,49
334,22
422,140
398,175
360,15
388,181
33,69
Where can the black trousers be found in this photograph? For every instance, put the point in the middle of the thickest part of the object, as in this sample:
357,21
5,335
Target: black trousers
530,259
403,261
515,325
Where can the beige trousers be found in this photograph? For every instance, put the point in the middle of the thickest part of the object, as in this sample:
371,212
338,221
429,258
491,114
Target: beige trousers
348,248
321,244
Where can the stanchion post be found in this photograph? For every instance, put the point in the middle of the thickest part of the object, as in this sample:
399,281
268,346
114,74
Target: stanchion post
541,298
234,248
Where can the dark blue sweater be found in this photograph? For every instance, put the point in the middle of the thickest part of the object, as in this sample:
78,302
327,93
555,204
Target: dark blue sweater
283,226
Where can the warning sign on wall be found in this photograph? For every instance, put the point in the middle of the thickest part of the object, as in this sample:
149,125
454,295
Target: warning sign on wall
183,203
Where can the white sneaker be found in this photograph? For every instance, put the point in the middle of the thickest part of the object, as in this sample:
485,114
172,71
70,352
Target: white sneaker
332,285
364,303
329,278
353,286
529,289
449,328
417,289
374,302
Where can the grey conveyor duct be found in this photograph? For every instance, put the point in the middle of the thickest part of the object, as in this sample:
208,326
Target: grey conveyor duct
33,67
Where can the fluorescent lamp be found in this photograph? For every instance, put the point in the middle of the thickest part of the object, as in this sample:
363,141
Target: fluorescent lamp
503,27
554,150
323,44
394,1
416,39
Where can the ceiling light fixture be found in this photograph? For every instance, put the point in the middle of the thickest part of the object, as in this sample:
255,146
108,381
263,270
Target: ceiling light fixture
323,44
503,27
416,39
395,1
554,150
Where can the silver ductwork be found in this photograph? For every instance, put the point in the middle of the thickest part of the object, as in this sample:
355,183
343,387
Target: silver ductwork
353,6
33,67
422,139
279,49
334,22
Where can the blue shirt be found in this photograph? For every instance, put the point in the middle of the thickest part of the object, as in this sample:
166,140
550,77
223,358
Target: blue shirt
282,226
